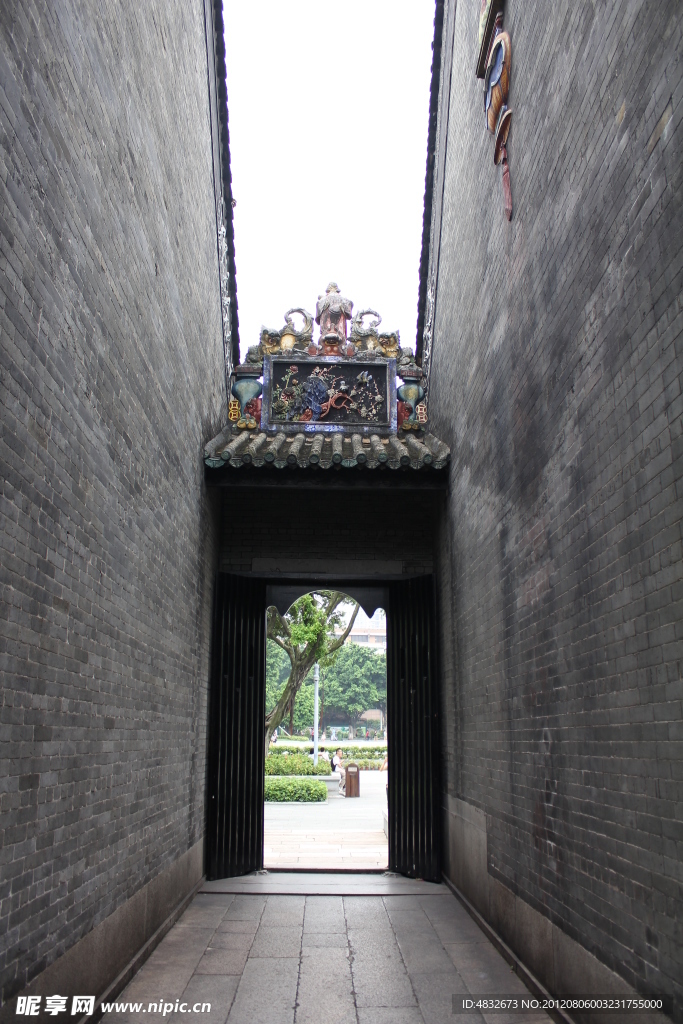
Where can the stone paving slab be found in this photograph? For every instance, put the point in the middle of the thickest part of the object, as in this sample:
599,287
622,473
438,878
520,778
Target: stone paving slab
394,957
338,834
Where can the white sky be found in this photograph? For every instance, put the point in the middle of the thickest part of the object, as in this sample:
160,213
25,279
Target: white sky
328,109
377,621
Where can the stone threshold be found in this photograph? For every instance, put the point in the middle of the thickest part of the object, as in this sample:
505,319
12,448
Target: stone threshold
309,882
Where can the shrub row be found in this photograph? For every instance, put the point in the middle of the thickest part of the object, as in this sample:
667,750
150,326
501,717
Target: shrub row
361,753
295,764
279,790
349,752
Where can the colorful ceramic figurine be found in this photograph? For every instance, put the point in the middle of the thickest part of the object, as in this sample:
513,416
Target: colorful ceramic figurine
365,336
390,344
269,342
406,367
292,336
332,313
287,338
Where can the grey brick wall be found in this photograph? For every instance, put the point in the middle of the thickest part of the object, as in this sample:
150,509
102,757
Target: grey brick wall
556,380
110,384
376,532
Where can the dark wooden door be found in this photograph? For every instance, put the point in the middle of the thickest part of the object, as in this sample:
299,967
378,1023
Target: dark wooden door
236,729
413,730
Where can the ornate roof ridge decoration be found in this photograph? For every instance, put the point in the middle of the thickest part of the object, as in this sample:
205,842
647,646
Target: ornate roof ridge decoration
331,401
333,313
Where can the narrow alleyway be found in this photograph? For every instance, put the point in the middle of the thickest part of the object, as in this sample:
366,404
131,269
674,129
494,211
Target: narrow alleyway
324,959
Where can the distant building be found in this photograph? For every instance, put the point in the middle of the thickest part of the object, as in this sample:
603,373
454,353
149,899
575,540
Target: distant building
373,716
368,632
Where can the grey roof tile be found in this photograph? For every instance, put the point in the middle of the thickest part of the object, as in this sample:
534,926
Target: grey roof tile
316,449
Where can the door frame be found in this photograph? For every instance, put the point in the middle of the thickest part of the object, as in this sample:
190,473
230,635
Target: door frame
414,846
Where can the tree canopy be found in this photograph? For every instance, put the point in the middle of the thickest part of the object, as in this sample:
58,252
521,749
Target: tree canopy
306,634
356,681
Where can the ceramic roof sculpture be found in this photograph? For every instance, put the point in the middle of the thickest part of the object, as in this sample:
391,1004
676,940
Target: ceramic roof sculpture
330,402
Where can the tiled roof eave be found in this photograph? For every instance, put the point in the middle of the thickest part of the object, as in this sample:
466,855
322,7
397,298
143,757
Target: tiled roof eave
279,450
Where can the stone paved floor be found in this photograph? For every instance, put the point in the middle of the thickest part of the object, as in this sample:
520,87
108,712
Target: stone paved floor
296,959
338,834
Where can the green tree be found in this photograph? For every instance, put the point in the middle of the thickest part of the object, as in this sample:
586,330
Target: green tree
355,682
305,634
277,673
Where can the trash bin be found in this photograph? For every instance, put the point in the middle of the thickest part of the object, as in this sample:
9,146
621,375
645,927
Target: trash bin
352,780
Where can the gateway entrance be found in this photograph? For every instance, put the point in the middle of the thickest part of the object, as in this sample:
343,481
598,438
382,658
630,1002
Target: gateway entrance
330,812
330,479
237,710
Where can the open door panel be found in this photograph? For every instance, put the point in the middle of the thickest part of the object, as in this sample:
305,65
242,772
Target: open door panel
413,730
236,729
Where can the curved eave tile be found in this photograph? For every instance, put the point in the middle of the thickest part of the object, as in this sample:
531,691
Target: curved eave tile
405,451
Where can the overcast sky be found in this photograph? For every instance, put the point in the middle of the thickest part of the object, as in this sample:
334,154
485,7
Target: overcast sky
328,109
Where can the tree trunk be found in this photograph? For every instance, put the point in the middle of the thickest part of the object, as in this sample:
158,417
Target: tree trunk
286,700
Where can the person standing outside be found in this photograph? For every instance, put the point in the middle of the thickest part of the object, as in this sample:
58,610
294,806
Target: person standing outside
337,766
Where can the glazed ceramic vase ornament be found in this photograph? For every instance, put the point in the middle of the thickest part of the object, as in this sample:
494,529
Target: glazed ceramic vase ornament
412,395
247,391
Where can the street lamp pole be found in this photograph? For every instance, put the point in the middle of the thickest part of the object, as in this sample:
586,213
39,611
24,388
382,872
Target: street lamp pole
316,680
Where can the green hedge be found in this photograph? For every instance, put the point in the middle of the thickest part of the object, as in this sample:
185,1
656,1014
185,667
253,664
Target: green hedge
295,764
349,752
280,790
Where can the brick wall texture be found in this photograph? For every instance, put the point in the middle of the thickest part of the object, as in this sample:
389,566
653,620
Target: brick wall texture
110,383
367,532
556,380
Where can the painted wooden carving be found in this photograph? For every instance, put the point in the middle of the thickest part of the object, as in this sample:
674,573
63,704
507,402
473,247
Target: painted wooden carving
497,81
491,12
498,61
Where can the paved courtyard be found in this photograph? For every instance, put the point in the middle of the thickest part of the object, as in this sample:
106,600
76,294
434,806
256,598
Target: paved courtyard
324,959
338,834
